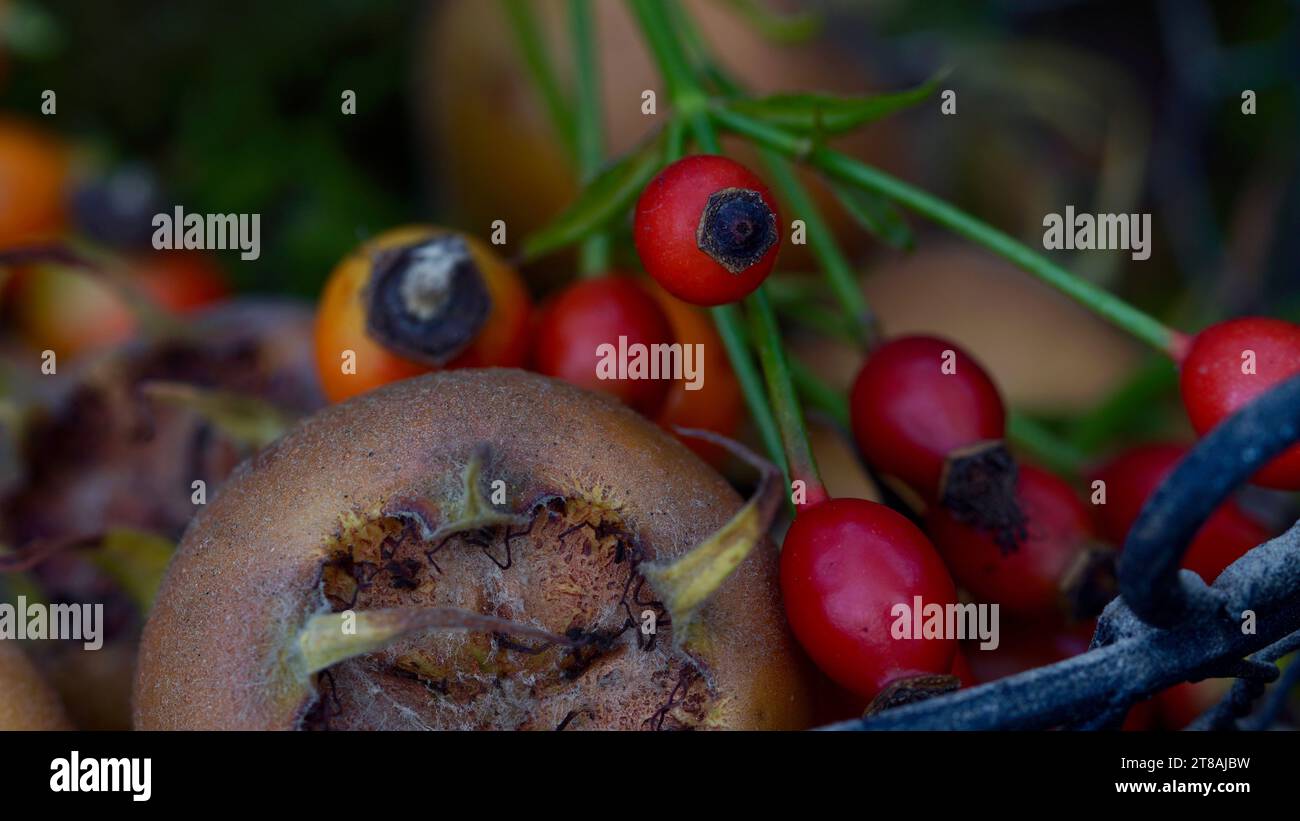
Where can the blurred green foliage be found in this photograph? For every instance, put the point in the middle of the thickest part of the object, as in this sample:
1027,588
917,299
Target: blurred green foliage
237,105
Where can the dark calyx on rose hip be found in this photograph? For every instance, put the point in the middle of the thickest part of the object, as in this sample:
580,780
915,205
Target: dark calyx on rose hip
979,489
736,228
427,301
1057,567
927,415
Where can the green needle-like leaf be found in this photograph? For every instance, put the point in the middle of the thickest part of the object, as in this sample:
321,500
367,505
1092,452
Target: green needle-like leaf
826,113
608,195
877,215
779,28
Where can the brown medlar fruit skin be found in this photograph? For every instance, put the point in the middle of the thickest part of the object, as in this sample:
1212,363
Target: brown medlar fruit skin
217,648
27,702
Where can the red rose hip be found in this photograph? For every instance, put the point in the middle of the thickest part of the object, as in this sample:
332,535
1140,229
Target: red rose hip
926,413
1028,580
577,324
846,564
707,230
1229,364
1131,478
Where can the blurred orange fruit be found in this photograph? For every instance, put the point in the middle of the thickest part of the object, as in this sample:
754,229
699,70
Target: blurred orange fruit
71,312
33,176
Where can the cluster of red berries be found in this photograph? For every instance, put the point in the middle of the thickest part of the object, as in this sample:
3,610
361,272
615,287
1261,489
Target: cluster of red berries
927,418
707,232
918,405
911,416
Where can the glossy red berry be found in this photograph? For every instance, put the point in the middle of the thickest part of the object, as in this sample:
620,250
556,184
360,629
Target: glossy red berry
595,325
846,564
918,400
1229,364
1131,478
707,230
1028,580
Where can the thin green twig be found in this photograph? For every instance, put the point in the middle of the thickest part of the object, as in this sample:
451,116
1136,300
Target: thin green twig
528,34
594,254
1045,446
820,395
785,400
731,327
841,277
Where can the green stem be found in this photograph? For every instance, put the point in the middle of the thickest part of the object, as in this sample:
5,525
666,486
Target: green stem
594,254
790,286
780,387
657,28
704,133
820,395
688,99
1139,324
817,317
1044,445
1134,402
834,264
675,140
732,330
697,48
524,23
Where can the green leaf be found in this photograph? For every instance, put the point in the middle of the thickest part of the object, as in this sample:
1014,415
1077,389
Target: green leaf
876,214
609,194
246,420
136,560
779,28
826,113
